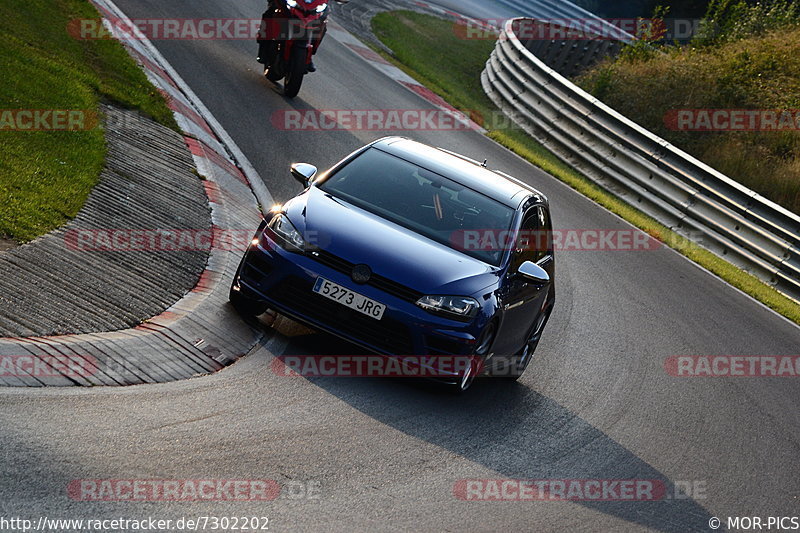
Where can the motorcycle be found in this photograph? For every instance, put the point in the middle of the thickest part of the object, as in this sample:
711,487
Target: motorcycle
291,32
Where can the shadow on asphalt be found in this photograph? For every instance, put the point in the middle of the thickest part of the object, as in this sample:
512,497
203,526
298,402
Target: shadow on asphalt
508,428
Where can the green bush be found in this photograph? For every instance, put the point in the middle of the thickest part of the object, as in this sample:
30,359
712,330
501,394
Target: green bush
756,72
730,20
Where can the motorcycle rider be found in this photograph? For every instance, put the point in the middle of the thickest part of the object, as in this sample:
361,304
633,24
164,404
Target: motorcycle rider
267,34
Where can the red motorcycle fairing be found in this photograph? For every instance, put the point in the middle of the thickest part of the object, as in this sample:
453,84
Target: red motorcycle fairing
290,16
291,32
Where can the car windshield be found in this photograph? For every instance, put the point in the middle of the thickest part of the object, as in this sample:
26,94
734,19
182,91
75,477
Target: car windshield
422,201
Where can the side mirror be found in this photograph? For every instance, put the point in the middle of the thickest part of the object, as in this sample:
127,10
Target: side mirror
304,173
533,272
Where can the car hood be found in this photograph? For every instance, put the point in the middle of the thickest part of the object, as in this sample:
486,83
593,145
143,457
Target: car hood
391,251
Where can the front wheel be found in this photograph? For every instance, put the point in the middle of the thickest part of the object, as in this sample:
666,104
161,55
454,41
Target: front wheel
476,361
517,366
244,306
296,71
519,363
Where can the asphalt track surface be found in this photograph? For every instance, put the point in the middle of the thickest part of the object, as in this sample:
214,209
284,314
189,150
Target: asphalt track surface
595,403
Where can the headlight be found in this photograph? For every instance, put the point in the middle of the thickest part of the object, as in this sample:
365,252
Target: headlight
459,307
291,3
322,7
284,229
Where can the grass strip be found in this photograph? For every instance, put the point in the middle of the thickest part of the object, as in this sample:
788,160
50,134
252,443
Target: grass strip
46,176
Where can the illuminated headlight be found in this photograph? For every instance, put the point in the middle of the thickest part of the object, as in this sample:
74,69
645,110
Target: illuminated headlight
460,307
287,233
322,7
291,3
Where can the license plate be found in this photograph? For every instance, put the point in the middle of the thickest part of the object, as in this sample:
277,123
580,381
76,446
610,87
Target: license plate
350,299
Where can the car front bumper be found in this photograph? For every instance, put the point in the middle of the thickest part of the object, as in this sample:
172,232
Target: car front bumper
284,280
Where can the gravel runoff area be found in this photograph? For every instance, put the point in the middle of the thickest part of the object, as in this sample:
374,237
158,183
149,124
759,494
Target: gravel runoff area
54,285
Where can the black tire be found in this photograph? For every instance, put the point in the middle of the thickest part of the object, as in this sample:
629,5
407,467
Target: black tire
518,365
476,361
272,74
244,305
295,72
520,362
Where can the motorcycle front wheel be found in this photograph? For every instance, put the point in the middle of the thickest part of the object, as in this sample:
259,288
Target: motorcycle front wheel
296,71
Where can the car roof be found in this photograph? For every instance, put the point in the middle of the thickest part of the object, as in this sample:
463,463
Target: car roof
498,186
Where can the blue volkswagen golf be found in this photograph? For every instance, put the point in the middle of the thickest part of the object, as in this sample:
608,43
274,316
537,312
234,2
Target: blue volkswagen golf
405,249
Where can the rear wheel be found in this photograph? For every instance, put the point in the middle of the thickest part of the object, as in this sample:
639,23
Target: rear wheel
296,71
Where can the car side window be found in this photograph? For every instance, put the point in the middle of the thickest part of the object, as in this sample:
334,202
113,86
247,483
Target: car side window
526,243
545,234
535,240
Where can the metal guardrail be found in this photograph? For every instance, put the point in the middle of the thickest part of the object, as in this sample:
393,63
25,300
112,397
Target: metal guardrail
662,181
567,57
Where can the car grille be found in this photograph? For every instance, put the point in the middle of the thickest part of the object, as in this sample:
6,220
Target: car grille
379,282
387,335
